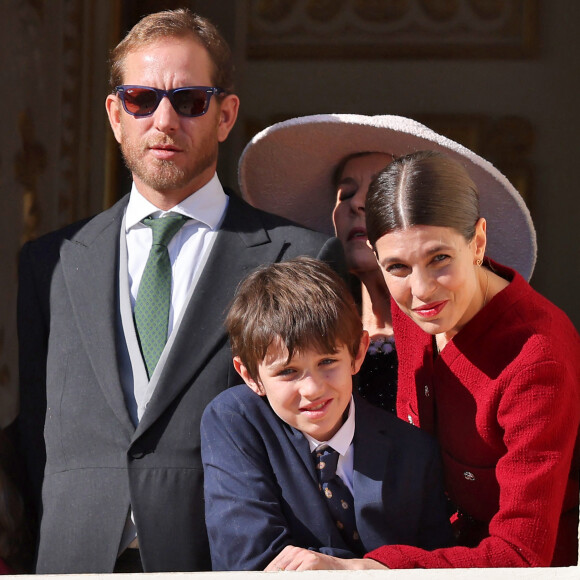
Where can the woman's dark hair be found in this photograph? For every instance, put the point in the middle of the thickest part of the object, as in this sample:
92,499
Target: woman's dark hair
425,188
337,173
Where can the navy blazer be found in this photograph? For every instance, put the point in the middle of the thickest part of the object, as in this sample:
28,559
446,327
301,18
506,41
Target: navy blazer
261,489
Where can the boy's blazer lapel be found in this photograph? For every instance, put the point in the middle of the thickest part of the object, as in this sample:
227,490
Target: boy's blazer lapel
302,447
372,448
90,269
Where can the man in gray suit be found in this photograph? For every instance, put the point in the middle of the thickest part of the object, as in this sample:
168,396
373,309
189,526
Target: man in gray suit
109,433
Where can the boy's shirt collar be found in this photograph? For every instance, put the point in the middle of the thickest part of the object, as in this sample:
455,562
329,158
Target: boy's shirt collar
342,439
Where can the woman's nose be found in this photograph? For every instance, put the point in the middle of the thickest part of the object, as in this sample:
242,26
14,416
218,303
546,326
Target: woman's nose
422,285
358,200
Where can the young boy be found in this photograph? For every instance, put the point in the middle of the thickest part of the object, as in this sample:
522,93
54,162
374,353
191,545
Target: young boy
297,339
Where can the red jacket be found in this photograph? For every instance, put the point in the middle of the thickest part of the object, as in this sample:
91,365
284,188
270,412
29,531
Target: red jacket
503,399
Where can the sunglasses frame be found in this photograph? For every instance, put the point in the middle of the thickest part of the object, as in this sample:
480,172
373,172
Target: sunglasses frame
160,93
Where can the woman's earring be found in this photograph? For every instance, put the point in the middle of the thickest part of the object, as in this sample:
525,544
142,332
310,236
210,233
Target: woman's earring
479,262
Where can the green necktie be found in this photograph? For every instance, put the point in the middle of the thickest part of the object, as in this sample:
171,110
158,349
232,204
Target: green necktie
154,294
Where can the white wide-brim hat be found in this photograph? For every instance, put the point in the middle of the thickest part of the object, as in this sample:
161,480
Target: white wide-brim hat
287,169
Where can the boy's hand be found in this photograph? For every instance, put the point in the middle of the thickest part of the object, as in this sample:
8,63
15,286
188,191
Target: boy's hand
293,558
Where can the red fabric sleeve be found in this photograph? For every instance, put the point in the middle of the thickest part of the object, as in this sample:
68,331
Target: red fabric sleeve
539,413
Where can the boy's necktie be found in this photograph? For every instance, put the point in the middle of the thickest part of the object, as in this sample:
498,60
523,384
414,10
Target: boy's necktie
338,497
154,294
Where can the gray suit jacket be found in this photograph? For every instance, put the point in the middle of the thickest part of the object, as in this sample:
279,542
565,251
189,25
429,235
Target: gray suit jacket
97,463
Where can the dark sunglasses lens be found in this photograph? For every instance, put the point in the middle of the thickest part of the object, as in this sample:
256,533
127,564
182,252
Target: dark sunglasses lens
140,101
190,102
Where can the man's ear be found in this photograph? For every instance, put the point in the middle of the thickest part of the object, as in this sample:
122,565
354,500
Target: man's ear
228,114
113,107
243,372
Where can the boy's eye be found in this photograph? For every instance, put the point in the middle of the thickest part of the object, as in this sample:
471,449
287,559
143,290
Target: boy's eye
285,372
327,361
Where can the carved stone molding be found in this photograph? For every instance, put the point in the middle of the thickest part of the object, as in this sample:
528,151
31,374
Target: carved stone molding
392,28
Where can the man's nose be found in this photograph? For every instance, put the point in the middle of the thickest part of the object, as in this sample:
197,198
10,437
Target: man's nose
166,118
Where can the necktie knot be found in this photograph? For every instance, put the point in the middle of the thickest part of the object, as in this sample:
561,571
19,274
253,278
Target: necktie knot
326,461
164,228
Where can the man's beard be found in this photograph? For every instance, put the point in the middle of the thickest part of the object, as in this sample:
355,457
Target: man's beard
163,175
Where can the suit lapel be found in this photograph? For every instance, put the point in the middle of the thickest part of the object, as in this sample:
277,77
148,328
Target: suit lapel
372,448
302,447
91,277
242,244
311,499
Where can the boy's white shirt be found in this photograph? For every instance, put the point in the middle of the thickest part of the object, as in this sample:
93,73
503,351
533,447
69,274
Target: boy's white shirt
341,442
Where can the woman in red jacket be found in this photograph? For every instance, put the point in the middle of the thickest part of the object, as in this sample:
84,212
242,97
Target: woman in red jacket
487,365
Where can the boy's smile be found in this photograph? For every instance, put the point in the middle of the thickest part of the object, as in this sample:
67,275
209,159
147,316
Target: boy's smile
311,391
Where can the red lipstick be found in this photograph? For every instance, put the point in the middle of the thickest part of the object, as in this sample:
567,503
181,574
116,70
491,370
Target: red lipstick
430,310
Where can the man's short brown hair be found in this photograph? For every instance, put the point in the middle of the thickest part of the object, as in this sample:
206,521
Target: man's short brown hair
301,302
181,23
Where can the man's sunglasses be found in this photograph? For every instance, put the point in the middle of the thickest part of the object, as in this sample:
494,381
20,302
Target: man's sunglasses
187,101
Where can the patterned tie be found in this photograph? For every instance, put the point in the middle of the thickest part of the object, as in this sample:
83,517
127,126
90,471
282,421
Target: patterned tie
154,294
338,497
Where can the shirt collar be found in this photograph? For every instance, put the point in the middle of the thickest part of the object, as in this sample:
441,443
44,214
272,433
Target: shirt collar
342,439
206,205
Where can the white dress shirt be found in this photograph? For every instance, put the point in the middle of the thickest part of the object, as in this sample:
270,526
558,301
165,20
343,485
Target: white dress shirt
206,208
341,442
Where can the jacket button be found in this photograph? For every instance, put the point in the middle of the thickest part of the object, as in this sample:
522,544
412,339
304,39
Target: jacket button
410,419
469,476
136,453
427,390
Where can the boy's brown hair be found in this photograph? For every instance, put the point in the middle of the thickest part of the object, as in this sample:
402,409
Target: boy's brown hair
302,302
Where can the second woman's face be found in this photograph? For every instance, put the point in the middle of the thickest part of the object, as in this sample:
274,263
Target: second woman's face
431,273
349,212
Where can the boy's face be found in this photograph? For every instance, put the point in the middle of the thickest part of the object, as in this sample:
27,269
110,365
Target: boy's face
312,391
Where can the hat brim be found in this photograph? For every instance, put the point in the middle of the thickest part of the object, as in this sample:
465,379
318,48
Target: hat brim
287,169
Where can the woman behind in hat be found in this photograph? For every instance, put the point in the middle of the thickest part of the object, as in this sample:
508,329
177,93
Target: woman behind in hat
377,379
487,365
